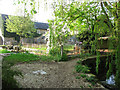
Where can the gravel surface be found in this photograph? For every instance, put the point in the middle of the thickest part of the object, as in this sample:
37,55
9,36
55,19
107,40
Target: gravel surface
58,75
1,57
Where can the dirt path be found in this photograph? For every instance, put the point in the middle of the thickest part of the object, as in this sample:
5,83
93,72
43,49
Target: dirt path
59,75
1,57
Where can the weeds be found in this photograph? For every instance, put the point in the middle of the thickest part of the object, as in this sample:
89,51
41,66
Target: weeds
77,77
82,68
83,75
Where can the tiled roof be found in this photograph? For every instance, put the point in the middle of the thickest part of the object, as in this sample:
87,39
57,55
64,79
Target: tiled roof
39,25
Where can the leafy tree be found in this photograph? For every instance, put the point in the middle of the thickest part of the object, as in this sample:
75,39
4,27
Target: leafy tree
22,26
59,31
100,18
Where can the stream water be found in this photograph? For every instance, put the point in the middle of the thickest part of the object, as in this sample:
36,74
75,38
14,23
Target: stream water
111,80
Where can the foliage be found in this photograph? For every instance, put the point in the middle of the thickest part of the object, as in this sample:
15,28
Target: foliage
100,17
87,37
55,51
22,26
69,47
31,3
83,75
8,80
77,77
8,74
4,51
91,79
82,68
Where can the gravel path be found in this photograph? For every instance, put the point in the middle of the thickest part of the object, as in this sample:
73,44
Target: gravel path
1,57
59,75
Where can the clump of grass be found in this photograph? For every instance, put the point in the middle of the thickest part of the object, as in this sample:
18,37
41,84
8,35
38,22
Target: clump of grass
91,79
77,77
4,51
79,62
82,68
83,75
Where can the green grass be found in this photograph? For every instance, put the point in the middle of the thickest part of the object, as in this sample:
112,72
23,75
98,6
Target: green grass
4,51
21,57
69,47
2,45
42,48
26,57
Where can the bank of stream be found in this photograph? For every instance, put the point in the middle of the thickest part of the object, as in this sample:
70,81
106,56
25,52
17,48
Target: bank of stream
102,70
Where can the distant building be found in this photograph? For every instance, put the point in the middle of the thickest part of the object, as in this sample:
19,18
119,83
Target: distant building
41,30
8,38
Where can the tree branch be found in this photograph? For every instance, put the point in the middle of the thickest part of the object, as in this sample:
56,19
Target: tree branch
111,25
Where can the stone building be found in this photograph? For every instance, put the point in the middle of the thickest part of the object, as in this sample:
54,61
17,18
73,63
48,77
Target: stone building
7,38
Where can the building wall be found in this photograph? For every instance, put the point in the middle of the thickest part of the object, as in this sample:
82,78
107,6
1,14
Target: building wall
10,41
37,40
1,36
41,31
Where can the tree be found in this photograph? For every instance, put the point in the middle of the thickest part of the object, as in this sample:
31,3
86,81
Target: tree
58,29
98,17
113,11
22,26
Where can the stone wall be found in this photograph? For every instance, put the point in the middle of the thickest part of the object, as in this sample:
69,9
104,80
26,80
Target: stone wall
10,41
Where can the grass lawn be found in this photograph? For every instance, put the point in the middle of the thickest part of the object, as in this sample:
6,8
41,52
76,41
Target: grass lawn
69,47
4,51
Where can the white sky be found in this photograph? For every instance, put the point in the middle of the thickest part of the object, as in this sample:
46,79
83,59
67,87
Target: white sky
7,7
45,12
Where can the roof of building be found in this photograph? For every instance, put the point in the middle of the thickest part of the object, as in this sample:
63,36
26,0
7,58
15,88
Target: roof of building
38,25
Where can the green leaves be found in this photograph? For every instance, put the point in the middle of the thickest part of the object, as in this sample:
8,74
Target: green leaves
22,26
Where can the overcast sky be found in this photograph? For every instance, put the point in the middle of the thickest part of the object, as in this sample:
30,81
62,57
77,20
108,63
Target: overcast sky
7,7
45,11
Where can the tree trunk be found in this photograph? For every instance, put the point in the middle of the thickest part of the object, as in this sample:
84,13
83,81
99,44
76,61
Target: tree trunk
61,50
